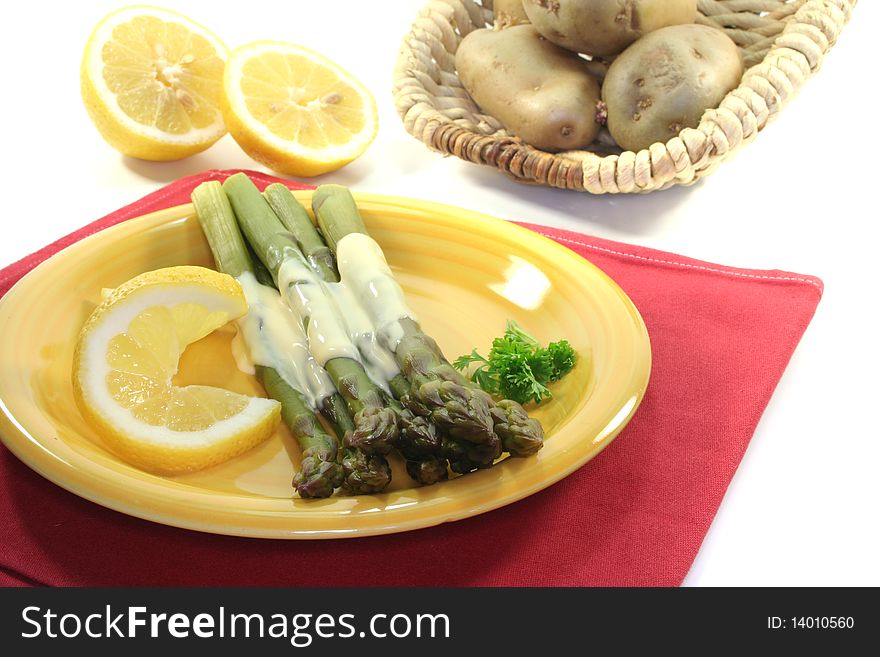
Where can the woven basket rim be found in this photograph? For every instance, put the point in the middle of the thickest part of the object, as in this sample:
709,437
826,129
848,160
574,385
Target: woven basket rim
811,27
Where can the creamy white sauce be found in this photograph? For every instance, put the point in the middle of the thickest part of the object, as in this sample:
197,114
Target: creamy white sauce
377,360
240,353
356,318
309,299
274,337
364,270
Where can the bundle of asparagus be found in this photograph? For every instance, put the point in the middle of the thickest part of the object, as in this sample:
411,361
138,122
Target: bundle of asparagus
392,388
476,429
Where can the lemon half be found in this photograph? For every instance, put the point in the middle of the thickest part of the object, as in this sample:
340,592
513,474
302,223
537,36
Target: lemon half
127,354
151,81
294,110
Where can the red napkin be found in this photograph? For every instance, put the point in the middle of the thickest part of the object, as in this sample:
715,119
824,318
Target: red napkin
634,515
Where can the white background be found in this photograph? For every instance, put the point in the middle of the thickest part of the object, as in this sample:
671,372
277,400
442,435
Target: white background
802,508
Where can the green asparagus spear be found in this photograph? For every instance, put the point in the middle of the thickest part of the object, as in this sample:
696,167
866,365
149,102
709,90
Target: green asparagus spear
418,440
320,473
375,424
260,272
218,224
439,392
375,428
363,474
295,218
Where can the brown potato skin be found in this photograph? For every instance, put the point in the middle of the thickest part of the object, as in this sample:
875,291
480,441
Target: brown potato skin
604,27
509,12
664,82
543,94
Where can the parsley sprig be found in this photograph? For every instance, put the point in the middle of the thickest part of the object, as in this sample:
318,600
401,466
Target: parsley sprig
518,367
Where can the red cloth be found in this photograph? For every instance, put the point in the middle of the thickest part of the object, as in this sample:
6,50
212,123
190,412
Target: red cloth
634,515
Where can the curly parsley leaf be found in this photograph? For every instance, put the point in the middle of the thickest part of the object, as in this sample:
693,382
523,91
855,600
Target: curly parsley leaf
481,375
518,367
562,359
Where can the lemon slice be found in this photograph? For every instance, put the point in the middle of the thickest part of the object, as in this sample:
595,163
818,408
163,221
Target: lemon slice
151,81
127,355
294,110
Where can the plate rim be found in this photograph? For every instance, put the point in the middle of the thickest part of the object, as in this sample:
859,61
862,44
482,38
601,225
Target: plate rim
50,465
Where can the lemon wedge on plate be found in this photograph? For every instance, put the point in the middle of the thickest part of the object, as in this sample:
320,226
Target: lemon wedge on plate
127,355
294,110
151,81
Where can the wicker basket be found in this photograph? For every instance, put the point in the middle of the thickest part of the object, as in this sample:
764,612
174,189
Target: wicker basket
783,43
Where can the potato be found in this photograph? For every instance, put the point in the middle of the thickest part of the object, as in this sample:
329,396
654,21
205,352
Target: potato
664,82
509,12
605,27
542,93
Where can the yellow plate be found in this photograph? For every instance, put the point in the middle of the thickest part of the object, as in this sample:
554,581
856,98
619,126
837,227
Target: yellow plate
464,274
